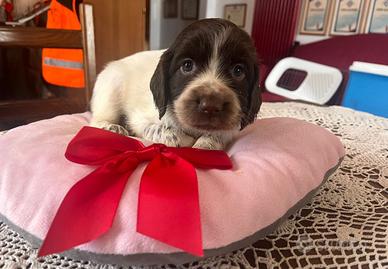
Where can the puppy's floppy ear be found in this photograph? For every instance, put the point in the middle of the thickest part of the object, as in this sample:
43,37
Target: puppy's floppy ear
254,101
159,82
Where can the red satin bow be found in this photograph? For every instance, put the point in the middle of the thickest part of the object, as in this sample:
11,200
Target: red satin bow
168,205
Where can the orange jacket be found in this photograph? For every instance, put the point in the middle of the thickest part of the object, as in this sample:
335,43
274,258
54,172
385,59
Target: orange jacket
63,67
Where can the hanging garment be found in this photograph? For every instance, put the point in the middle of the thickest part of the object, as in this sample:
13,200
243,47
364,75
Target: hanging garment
63,67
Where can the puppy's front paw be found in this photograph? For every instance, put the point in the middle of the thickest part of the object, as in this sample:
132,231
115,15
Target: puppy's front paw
117,129
184,140
208,142
111,127
160,133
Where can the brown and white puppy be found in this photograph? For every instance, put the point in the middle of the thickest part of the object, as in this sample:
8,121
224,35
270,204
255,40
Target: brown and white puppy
200,92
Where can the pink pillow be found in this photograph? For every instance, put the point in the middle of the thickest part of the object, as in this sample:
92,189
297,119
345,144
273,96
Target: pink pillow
279,163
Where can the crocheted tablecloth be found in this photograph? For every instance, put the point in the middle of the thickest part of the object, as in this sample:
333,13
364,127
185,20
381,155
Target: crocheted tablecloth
345,225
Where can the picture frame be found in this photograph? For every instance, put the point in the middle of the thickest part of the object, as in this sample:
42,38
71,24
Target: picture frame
190,9
170,9
315,17
236,13
347,17
377,21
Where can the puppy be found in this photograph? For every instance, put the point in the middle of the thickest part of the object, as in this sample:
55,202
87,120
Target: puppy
198,93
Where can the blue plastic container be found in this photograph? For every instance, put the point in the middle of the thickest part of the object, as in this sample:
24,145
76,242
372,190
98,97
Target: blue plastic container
367,88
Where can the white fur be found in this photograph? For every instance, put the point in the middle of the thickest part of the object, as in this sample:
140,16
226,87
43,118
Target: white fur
124,84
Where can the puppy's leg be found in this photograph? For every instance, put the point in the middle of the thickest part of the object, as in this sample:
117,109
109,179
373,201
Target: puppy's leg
213,142
106,117
105,104
108,120
168,135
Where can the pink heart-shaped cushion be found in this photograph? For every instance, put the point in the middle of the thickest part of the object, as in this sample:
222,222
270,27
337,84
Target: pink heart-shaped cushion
278,163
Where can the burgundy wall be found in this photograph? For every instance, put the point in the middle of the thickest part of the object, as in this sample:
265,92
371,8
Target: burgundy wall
274,29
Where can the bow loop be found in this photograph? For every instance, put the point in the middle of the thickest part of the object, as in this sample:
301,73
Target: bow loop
95,146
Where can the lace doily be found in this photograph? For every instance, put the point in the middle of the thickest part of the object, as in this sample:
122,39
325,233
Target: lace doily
344,226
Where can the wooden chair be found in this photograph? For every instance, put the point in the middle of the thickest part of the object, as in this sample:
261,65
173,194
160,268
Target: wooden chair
25,111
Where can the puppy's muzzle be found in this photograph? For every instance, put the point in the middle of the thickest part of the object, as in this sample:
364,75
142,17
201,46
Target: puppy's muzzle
208,107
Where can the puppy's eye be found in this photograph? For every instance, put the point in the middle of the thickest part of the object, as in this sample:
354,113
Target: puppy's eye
187,66
238,71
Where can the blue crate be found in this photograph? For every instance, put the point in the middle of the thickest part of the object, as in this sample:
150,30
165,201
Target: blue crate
367,88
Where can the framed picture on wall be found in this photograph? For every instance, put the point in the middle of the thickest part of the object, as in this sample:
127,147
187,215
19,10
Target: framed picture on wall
378,17
190,9
236,14
347,17
170,9
315,15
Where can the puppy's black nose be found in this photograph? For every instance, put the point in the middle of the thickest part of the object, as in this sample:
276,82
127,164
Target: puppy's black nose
208,106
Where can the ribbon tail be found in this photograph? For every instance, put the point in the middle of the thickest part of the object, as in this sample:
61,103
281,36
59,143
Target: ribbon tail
86,212
168,208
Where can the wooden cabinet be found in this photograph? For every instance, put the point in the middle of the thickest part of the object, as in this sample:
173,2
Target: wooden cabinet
120,29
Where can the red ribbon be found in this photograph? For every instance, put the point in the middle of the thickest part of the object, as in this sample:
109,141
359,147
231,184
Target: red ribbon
168,207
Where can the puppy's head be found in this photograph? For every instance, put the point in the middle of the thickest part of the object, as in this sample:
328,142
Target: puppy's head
208,78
